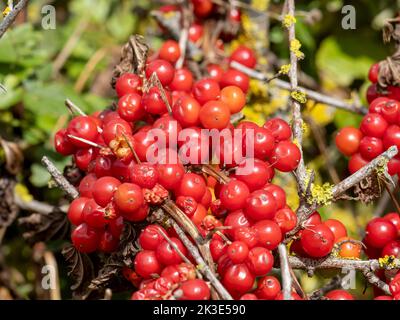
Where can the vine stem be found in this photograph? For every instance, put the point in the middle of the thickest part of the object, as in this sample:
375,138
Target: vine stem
285,271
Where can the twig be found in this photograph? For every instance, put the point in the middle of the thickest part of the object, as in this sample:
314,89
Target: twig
73,108
306,209
36,206
297,125
184,36
311,94
70,45
202,265
49,259
335,283
60,180
391,195
285,271
10,18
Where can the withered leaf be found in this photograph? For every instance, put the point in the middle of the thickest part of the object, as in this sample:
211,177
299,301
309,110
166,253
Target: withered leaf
14,156
80,269
133,58
45,226
369,189
8,208
389,69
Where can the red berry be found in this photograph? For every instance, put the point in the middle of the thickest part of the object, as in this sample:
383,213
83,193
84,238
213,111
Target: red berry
166,253
260,261
195,289
373,73
115,128
83,127
286,219
233,195
163,69
238,251
217,248
279,129
170,175
186,111
317,241
339,295
206,90
392,248
235,219
238,279
85,239
348,140
379,232
268,288
75,210
234,77
192,185
128,197
269,234
215,72
195,32
83,158
153,102
254,173
145,175
62,143
392,137
234,98
146,264
128,83
108,243
151,237
394,218
377,105
286,156
94,215
373,125
370,147
170,51
338,229
391,111
244,56
260,205
202,8
86,185
278,193
103,190
248,296
183,80
130,107
356,162
248,235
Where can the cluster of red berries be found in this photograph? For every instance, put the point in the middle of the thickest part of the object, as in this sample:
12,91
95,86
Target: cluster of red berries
379,129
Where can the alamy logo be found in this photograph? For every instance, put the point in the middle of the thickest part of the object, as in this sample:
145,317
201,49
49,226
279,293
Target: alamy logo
349,20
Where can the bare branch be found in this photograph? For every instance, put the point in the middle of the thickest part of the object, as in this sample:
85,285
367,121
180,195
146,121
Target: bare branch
61,181
10,18
285,271
311,94
202,265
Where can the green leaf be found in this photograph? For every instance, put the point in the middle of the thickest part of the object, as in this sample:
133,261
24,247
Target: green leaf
121,24
344,118
39,177
10,98
339,66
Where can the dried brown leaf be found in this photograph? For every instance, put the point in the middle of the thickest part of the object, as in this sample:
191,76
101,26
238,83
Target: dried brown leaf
133,58
80,270
13,155
8,208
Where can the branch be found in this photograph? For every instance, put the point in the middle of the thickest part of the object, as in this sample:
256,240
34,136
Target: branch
202,265
10,18
306,209
285,271
311,94
367,267
36,206
60,180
